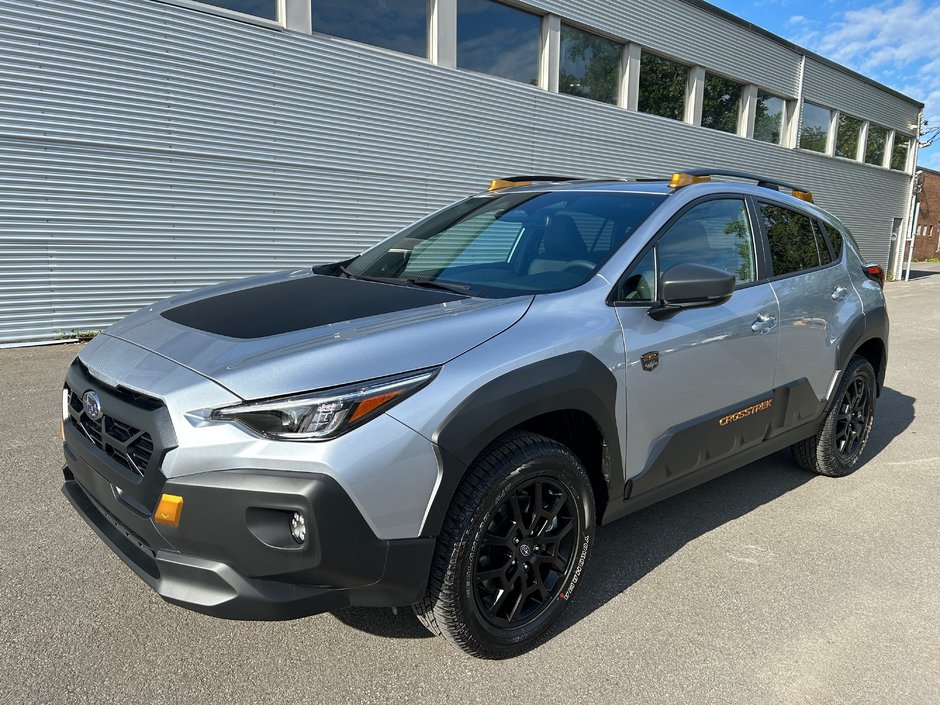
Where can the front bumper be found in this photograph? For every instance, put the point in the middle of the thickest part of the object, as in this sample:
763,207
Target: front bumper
232,555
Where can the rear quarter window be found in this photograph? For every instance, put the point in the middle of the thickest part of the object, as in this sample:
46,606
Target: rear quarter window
792,239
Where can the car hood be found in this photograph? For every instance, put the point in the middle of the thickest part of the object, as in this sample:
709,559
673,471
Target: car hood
297,331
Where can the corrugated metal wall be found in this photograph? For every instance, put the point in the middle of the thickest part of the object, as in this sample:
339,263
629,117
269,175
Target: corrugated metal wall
146,149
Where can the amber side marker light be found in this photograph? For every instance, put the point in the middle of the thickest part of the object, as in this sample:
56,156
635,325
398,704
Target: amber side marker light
169,510
803,196
504,183
679,180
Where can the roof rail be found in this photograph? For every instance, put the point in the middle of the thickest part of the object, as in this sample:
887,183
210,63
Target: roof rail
694,176
516,181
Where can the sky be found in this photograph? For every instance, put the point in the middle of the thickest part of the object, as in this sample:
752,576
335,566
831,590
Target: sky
895,42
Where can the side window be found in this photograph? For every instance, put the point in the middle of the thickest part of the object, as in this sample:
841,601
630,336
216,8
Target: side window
835,237
640,285
824,256
792,239
716,233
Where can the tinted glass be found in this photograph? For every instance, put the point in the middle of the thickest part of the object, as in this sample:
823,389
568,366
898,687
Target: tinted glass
835,239
824,256
875,146
663,84
899,154
640,284
590,65
400,25
498,40
792,239
716,233
721,104
814,134
847,137
259,8
511,244
768,123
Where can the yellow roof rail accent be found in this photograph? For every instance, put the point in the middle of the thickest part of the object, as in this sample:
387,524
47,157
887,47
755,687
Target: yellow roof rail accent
680,179
803,196
504,183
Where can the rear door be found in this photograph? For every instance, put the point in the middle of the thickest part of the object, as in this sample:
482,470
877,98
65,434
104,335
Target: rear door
817,299
688,373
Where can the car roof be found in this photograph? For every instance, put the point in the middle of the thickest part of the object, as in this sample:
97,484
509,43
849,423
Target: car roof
662,186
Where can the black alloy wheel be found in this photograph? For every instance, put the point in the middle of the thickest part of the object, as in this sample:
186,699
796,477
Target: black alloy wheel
528,548
854,418
837,447
512,549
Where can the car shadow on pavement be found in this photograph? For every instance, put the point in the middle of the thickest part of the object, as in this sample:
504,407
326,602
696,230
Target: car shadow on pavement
632,547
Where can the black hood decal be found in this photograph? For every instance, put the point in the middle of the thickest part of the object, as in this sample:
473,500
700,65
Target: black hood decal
297,304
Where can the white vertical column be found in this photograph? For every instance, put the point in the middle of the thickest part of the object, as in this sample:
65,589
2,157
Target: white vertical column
862,141
550,54
295,15
833,132
791,124
629,97
695,96
442,32
889,148
748,112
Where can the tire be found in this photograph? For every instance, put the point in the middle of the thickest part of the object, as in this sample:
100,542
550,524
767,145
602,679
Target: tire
838,447
496,590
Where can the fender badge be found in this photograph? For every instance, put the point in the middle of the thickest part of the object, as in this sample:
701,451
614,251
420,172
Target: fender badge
650,361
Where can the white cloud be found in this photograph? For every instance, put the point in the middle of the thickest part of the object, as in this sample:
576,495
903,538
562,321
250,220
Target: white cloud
895,41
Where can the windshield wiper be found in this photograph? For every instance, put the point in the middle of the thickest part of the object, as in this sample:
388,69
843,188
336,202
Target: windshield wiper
464,289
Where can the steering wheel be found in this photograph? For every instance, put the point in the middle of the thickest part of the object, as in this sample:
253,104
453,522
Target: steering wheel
585,263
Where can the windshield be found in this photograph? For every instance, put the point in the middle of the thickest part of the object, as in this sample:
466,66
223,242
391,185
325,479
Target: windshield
510,244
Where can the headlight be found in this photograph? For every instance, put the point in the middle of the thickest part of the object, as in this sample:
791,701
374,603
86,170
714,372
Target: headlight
322,415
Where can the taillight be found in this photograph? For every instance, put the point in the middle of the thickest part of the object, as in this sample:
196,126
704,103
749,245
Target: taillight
875,273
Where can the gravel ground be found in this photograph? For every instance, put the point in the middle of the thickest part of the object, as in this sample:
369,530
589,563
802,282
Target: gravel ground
768,585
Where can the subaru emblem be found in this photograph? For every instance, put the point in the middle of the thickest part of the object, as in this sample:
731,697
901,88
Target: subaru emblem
92,405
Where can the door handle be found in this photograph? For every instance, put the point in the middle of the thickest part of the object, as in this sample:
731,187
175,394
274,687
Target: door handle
764,323
839,293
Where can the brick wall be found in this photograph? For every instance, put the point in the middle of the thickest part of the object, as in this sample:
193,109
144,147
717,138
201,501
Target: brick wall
927,234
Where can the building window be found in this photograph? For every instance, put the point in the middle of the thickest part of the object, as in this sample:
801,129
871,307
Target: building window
663,85
902,146
400,25
769,120
721,104
590,65
875,146
850,129
258,8
814,134
499,40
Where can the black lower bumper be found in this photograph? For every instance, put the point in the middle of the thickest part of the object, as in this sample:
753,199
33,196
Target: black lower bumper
232,555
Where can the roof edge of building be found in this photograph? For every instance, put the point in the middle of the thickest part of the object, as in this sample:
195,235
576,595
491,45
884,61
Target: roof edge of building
750,26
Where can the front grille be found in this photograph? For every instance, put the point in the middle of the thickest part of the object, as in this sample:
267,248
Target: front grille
129,446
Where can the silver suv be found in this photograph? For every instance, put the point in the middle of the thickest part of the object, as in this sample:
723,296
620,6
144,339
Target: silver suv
443,420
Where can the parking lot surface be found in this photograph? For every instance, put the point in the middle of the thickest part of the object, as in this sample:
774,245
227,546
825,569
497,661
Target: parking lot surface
768,585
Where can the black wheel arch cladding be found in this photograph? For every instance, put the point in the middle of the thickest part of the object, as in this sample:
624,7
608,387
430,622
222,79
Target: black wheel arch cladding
576,381
873,325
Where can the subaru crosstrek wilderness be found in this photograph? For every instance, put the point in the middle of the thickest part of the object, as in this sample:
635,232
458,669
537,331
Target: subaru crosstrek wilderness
443,420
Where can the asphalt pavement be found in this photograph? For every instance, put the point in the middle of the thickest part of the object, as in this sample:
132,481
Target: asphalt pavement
768,585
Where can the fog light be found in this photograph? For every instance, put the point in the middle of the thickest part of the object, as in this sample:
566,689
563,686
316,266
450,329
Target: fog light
298,527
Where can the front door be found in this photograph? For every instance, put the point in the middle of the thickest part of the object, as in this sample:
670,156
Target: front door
699,384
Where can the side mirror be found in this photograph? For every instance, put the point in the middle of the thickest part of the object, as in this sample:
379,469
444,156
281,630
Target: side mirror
691,285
